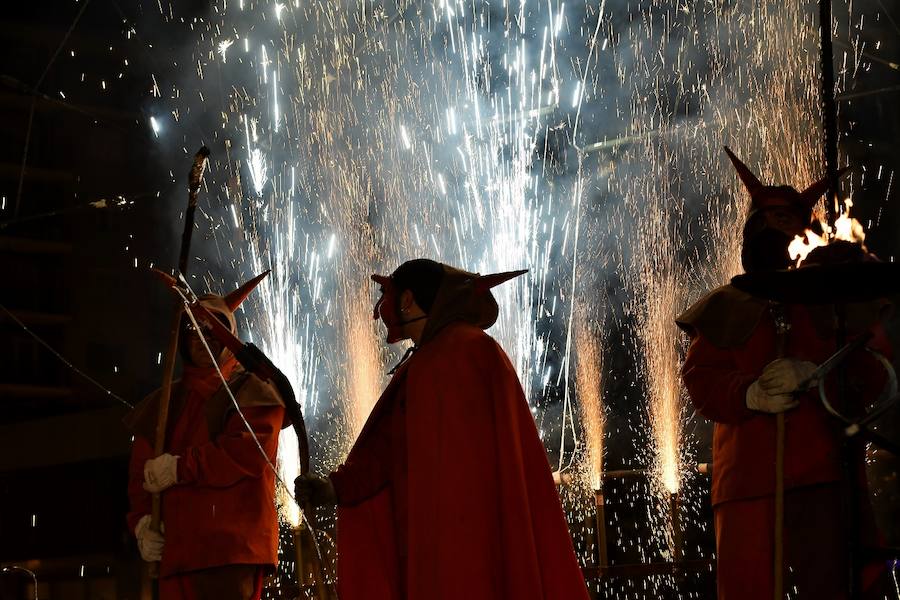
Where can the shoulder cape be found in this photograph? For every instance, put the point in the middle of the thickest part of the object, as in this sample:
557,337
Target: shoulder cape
726,316
248,389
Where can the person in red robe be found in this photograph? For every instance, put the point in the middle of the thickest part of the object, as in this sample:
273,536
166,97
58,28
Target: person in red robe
741,371
219,524
447,492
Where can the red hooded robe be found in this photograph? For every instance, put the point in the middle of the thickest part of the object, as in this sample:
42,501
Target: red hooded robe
447,492
733,338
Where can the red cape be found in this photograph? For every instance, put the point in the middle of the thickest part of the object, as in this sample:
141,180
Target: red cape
484,518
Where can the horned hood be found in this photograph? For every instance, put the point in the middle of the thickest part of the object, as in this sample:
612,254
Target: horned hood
465,296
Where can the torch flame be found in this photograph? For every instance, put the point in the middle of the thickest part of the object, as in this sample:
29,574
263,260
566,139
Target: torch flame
846,228
800,248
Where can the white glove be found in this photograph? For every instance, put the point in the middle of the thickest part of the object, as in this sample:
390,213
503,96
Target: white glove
150,543
784,375
160,473
758,399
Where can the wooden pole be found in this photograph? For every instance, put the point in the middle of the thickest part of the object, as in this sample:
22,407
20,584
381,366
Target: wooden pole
782,328
779,507
195,179
600,529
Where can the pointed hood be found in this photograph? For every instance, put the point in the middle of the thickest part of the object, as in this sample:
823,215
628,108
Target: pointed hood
464,296
447,294
225,306
770,196
221,306
234,299
748,178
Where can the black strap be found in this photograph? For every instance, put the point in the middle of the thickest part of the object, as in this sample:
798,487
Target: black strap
409,352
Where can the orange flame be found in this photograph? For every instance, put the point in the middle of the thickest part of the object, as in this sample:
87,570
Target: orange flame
845,228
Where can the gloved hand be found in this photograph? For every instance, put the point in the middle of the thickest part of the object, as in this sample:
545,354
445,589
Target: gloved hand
315,490
784,375
160,473
758,399
150,543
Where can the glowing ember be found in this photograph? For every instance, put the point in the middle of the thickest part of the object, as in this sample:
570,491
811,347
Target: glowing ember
224,45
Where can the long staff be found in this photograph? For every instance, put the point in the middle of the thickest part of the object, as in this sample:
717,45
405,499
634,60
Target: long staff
195,179
782,328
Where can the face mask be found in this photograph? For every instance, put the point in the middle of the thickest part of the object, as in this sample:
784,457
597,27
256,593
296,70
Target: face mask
786,219
388,310
190,345
766,250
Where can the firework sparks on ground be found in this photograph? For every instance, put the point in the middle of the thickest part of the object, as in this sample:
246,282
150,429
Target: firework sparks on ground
590,397
660,292
690,89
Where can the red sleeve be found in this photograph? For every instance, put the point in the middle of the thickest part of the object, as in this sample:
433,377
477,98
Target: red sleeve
139,499
717,387
367,470
234,454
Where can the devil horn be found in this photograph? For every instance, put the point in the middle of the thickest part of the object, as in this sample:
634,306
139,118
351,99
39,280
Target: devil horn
235,298
811,195
751,181
486,282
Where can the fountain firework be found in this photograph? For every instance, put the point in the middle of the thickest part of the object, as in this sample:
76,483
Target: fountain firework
699,76
590,397
660,290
